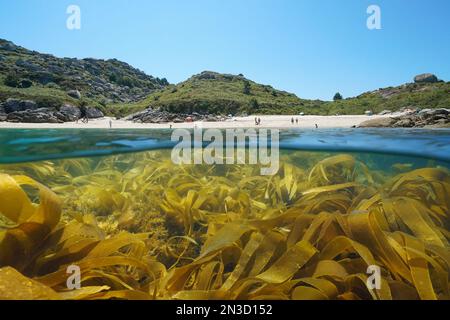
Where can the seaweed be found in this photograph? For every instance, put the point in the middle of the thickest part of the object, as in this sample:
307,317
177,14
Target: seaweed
140,227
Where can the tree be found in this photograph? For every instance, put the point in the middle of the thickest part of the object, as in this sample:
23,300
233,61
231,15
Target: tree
246,87
163,82
337,97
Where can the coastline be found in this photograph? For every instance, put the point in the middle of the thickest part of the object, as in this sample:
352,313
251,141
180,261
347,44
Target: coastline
267,121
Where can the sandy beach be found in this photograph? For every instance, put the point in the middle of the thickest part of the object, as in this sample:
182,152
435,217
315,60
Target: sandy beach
272,121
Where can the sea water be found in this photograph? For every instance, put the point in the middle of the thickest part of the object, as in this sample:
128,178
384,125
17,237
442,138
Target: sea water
350,214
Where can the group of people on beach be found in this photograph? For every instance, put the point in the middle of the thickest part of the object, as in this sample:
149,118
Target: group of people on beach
293,120
296,122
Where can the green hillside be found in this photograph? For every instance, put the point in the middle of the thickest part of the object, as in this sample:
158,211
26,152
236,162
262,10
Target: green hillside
411,95
118,89
217,93
46,79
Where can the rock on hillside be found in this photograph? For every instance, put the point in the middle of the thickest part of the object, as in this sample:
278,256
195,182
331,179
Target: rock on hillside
426,78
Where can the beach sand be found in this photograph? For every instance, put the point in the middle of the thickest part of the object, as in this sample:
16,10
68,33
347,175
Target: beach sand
305,122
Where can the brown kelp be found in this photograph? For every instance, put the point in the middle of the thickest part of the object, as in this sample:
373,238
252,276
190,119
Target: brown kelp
140,227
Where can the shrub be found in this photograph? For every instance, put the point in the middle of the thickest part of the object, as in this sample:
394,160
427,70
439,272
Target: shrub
246,89
49,102
12,80
162,81
126,81
337,97
52,85
25,83
113,77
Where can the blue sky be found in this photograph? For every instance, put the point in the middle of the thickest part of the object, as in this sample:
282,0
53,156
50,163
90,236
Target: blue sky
313,48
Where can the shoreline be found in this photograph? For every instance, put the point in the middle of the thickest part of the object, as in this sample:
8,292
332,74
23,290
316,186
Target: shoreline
267,121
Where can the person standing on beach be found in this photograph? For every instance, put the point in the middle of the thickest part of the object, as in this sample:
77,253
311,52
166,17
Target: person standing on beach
259,121
292,120
110,123
317,127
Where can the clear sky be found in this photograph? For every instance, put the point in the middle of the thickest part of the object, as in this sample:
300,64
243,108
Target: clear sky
313,48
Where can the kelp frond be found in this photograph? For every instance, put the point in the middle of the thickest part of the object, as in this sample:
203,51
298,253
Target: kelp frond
139,227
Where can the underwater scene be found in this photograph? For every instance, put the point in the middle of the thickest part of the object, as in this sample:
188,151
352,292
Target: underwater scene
341,209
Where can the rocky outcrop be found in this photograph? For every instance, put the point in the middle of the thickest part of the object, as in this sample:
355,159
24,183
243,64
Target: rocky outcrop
15,110
41,115
70,113
7,46
3,114
157,115
426,78
433,118
94,113
13,105
426,118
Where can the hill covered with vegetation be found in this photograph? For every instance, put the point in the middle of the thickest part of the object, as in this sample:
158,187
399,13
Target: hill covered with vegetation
118,89
51,81
215,93
421,95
